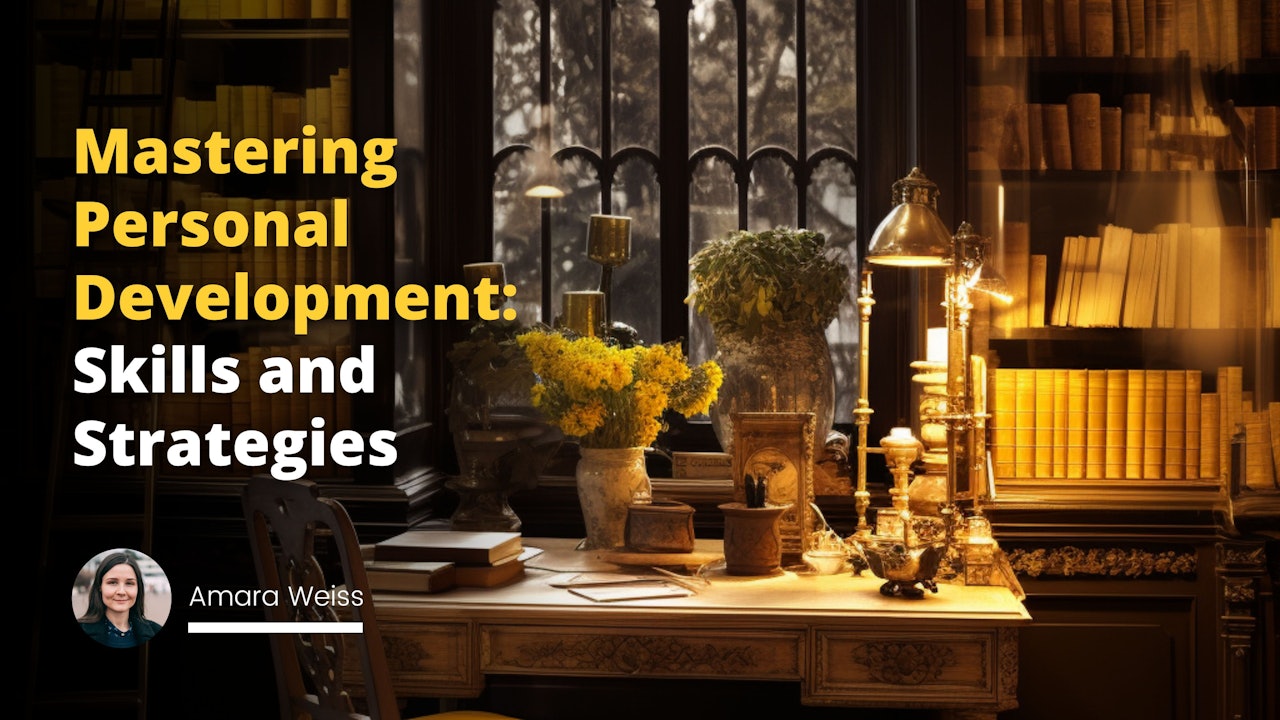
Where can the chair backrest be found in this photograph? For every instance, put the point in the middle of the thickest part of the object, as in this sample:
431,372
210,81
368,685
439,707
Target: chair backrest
284,518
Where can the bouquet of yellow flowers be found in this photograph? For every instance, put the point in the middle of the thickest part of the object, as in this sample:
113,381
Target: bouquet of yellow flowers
613,397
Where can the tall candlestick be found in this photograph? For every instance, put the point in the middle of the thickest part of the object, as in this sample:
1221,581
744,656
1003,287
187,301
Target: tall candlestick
608,243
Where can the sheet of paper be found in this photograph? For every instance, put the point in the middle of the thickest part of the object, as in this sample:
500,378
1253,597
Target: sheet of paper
588,579
631,591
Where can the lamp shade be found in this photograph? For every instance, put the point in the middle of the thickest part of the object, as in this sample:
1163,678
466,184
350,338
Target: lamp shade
912,234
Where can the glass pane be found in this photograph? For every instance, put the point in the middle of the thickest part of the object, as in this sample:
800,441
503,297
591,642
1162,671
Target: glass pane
713,211
771,196
412,389
713,74
635,75
831,74
517,235
570,268
832,205
636,284
515,72
771,74
575,73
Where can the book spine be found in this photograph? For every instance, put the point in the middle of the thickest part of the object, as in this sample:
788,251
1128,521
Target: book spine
1096,425
1175,424
1057,136
1110,121
1077,429
1117,413
1210,435
1192,393
976,27
1084,111
1072,32
1043,439
1024,422
1003,421
1153,426
1098,28
1061,401
1135,427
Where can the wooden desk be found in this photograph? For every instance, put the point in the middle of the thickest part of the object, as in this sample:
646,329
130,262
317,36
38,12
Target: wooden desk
835,635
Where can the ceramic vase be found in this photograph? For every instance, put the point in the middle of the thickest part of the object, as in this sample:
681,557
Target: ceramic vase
779,371
752,539
609,480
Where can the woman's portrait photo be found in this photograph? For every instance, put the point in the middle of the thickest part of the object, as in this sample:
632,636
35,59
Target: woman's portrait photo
121,598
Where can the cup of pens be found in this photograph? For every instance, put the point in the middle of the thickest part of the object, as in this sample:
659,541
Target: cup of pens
752,536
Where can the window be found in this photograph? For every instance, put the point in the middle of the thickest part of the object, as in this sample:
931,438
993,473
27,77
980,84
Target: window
694,119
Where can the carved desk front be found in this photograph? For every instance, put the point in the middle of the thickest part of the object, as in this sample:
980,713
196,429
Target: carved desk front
835,635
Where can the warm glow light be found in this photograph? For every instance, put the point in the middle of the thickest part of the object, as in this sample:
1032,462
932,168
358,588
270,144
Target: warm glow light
544,191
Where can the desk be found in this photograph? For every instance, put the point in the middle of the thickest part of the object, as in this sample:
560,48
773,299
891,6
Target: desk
835,635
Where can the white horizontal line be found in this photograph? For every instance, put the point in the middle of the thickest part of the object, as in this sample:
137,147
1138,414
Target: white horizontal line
260,628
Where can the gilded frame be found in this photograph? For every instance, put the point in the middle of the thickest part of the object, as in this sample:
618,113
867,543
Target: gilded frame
781,443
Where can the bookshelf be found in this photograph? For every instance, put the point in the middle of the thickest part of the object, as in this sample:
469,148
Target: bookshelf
1122,156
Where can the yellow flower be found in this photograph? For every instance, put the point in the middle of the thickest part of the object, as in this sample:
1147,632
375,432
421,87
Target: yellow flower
614,397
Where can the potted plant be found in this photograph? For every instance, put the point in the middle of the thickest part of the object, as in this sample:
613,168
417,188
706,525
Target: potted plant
769,297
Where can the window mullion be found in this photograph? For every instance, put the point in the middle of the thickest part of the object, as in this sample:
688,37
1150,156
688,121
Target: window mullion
606,106
802,171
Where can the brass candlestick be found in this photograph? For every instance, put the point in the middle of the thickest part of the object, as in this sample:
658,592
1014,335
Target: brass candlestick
609,244
495,272
584,312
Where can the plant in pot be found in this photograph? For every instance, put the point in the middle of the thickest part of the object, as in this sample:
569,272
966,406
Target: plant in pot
769,297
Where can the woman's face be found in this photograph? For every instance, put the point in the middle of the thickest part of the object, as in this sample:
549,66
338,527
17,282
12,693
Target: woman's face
119,588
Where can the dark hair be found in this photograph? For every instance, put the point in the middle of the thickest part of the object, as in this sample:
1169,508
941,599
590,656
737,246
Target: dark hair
97,610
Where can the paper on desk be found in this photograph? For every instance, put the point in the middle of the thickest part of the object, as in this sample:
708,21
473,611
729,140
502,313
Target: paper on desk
631,591
589,579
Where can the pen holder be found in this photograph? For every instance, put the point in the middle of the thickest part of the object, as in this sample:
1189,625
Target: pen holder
752,539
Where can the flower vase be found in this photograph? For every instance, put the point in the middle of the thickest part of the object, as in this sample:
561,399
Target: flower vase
609,481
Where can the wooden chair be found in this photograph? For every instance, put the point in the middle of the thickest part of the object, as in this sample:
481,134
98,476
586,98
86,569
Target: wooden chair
284,519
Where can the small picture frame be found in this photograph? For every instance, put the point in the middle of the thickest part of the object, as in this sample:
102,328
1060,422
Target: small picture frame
779,446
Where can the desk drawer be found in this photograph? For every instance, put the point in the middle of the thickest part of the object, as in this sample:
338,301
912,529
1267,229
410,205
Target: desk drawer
938,669
641,652
430,659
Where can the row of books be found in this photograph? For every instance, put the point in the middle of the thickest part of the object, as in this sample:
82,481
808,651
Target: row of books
437,560
1178,276
1214,32
264,112
204,9
1007,133
1129,424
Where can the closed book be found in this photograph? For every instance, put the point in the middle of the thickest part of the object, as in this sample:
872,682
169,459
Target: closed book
1024,423
975,27
1072,32
1077,423
1273,425
1175,425
1153,425
1061,400
1258,472
1192,392
484,576
1210,435
410,576
1117,414
1057,136
1135,124
457,546
1084,111
1043,454
1095,460
1110,119
1003,420
1134,423
1097,26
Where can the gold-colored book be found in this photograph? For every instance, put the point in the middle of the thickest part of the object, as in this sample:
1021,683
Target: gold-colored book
1043,453
1230,388
1175,424
1003,421
1061,400
1192,392
1110,119
1095,460
1134,419
1084,112
1154,426
1077,414
1206,281
1039,270
1273,424
1117,413
1258,472
1024,428
1210,435
1097,28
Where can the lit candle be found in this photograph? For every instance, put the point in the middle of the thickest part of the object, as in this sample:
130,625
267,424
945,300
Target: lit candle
609,239
473,273
584,311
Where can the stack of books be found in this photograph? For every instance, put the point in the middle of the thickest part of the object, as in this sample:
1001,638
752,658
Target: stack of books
436,560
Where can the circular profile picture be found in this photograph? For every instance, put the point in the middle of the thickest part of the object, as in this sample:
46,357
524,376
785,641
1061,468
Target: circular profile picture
121,598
